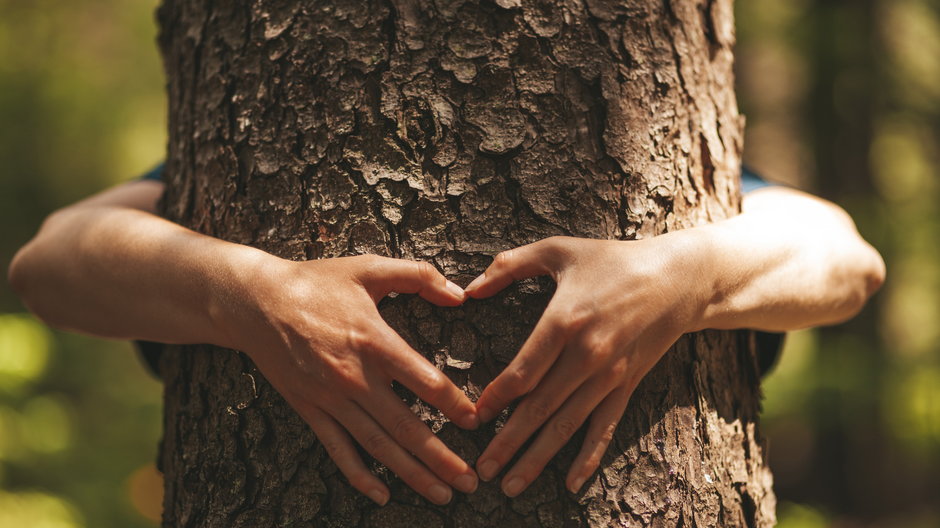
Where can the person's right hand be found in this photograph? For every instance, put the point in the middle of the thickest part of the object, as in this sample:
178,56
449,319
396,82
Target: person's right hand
318,337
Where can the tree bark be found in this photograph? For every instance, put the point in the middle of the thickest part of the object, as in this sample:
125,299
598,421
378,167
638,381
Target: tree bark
447,131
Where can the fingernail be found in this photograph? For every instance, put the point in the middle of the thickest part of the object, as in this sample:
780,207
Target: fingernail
439,494
471,421
378,496
466,483
455,290
514,486
486,414
476,282
488,469
576,485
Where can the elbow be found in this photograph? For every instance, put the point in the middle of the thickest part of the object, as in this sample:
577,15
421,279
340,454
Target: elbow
29,285
852,283
23,281
869,277
875,274
29,277
18,273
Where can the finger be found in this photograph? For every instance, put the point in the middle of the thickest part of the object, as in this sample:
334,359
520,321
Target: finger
531,260
416,437
386,450
555,434
341,449
412,370
386,275
531,413
525,371
599,434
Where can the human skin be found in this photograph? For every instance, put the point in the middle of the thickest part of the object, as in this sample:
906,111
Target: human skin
109,266
789,261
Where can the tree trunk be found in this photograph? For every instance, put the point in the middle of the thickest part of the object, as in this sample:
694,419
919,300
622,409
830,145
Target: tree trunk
447,131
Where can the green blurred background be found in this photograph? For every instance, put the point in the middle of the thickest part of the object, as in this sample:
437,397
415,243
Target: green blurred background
842,99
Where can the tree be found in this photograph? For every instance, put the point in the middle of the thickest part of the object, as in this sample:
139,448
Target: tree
446,131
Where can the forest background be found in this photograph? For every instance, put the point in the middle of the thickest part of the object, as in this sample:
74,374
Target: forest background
842,98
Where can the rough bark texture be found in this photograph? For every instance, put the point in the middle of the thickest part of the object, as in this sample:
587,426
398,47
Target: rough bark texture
447,131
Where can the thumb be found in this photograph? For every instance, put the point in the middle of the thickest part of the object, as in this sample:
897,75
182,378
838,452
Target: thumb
388,275
523,262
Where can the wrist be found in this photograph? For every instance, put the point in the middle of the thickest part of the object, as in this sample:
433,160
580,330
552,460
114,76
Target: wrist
720,275
238,291
693,262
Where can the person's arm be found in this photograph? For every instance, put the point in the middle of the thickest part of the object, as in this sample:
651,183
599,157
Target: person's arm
110,267
789,261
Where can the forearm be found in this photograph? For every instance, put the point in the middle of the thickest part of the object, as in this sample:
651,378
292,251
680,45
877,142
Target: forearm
119,272
789,261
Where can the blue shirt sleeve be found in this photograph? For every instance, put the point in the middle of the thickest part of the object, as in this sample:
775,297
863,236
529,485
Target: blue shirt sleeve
751,181
769,344
155,174
149,351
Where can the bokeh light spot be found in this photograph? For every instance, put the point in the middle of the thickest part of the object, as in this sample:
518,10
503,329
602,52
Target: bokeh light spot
46,425
145,488
24,351
37,510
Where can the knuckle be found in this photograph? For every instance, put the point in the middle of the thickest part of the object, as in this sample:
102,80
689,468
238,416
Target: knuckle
369,265
538,410
503,447
576,318
425,271
435,384
592,462
514,384
361,480
503,259
348,377
600,344
359,340
560,247
453,404
414,476
333,448
378,445
564,428
605,435
598,350
406,427
529,470
369,259
554,243
618,371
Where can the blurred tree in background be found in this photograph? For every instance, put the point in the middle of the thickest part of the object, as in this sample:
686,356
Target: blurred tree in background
842,99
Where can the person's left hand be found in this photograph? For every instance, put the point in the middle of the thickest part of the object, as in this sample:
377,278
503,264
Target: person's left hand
618,306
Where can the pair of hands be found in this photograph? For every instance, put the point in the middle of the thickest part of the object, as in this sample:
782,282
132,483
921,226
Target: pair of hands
323,345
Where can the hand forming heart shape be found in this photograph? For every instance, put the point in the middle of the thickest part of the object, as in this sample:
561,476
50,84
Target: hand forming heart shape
617,308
